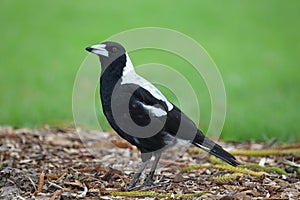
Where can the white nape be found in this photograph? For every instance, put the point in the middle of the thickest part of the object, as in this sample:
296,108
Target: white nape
130,77
128,67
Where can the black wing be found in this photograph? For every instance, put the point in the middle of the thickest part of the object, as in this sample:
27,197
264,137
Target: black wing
145,108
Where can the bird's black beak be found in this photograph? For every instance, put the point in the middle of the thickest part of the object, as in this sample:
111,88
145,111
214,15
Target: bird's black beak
98,49
89,49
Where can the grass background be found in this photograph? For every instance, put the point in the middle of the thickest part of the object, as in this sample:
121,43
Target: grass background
255,44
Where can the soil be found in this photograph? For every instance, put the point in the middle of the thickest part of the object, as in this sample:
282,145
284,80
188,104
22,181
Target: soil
69,163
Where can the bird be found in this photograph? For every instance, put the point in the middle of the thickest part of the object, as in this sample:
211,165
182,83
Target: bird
142,115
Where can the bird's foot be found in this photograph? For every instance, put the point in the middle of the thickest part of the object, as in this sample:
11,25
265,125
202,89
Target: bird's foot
148,184
131,185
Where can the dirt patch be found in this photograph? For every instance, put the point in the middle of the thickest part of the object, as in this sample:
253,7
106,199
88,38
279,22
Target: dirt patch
59,163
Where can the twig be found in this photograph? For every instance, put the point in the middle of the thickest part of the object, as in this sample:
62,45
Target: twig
41,183
19,197
239,170
101,169
122,177
56,194
224,167
55,185
56,176
293,164
155,194
32,182
76,183
227,178
266,152
85,169
267,169
82,195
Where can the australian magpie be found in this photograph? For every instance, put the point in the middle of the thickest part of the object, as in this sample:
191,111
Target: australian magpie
141,114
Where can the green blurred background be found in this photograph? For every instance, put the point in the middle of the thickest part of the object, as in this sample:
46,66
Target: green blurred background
255,44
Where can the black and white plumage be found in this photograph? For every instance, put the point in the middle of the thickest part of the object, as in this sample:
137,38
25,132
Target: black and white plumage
141,114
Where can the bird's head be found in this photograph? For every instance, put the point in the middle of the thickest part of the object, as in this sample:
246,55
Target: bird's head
107,51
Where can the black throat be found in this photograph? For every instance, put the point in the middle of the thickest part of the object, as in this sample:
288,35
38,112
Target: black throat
111,73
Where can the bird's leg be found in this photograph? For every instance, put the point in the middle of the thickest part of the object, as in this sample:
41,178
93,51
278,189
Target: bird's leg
149,181
137,175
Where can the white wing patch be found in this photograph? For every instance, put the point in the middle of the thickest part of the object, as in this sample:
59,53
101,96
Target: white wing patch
129,76
158,112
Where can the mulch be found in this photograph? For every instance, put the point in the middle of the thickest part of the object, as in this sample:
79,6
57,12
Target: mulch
69,163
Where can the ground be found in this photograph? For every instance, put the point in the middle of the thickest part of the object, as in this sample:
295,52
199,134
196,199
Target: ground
68,163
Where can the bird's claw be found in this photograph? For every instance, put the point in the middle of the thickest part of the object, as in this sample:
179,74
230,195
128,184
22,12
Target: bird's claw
147,183
131,185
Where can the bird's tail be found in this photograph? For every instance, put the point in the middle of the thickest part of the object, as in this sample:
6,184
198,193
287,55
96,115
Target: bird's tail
211,147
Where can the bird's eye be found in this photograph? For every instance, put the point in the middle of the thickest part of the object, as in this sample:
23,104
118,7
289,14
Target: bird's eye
114,49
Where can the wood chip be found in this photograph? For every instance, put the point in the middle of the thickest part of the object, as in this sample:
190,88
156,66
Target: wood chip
91,166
